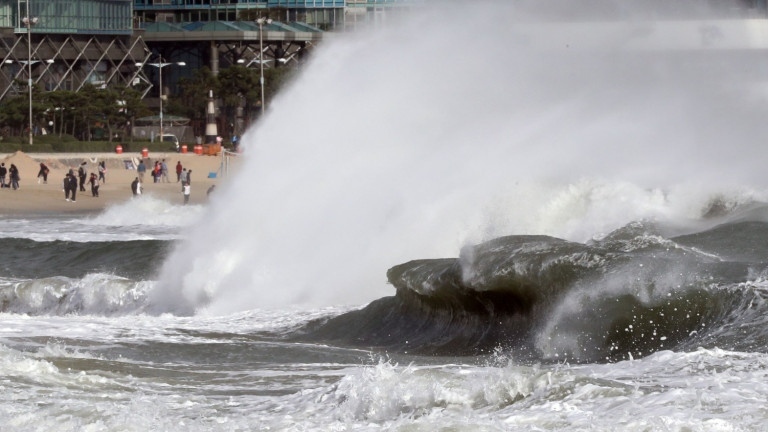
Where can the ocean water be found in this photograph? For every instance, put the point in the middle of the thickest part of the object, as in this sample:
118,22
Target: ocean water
643,329
463,231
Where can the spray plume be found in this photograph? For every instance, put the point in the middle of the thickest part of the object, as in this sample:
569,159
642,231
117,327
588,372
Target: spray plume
457,126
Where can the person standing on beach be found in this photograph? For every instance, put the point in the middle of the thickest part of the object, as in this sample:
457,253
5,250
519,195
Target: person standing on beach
83,175
102,172
157,172
3,173
43,173
94,181
178,171
164,171
135,188
183,178
187,191
66,187
13,172
70,186
141,169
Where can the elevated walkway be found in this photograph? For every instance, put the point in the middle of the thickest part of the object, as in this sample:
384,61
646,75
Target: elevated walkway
230,31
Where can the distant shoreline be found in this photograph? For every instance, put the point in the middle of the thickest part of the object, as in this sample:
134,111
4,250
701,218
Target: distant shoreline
35,198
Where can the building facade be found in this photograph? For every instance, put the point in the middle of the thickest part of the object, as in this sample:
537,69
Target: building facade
324,14
327,15
104,42
69,43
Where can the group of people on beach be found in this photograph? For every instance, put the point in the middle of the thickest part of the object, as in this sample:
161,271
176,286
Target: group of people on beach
159,171
75,180
160,175
13,176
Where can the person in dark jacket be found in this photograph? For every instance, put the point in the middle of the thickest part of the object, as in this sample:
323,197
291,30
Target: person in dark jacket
136,187
43,173
3,173
13,172
70,186
94,181
81,172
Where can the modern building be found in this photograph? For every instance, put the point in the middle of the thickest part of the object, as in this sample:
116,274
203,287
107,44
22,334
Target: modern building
68,43
327,15
323,14
71,43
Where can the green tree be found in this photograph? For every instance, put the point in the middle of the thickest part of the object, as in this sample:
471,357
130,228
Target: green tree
194,94
131,107
61,105
13,113
239,87
102,109
74,101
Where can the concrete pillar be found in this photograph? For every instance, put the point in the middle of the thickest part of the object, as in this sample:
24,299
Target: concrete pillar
214,59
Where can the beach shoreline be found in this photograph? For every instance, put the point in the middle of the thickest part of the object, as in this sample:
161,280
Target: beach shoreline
34,197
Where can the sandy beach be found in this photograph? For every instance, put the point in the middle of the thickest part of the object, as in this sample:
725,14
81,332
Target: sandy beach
36,197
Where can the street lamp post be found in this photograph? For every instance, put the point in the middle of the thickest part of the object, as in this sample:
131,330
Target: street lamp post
160,65
261,22
29,22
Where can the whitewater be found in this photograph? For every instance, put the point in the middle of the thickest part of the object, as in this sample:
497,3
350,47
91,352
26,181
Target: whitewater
471,230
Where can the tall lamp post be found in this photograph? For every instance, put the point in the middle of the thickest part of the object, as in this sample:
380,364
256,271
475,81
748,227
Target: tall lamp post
261,21
29,22
160,65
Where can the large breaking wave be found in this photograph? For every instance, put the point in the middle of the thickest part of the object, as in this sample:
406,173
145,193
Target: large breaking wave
645,287
628,294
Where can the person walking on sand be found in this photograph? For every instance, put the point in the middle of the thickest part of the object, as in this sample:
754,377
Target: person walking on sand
136,187
73,186
65,185
187,191
102,172
141,169
83,174
43,173
183,178
94,181
164,172
13,172
3,173
70,186
178,171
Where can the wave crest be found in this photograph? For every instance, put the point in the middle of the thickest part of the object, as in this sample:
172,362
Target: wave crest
94,294
630,294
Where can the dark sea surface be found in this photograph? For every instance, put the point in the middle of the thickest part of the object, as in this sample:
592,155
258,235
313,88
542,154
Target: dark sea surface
636,326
